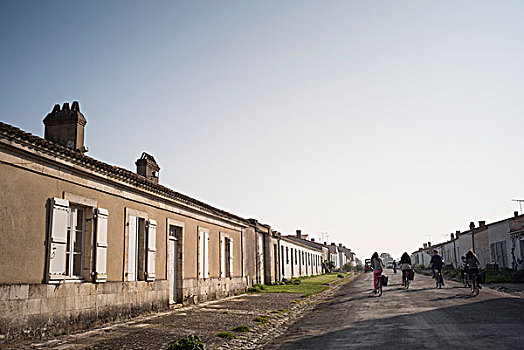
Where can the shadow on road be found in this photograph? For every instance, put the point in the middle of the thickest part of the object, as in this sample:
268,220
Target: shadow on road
493,323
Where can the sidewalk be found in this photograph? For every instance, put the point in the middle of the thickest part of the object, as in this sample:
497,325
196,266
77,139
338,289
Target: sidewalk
205,320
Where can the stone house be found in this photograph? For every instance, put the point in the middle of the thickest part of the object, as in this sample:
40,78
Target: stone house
84,242
299,257
266,253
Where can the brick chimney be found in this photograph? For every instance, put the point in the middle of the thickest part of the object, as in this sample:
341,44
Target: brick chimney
425,245
65,126
515,213
471,225
312,240
299,233
452,236
146,166
482,223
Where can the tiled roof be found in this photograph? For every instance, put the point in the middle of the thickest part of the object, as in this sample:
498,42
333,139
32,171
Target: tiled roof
314,245
13,133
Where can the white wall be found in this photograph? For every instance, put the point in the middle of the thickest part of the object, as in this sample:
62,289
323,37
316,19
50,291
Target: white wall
500,240
299,260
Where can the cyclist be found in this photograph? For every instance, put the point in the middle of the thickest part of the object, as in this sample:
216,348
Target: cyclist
463,267
436,264
472,263
405,265
378,267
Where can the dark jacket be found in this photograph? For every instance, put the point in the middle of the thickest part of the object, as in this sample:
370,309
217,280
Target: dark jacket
436,261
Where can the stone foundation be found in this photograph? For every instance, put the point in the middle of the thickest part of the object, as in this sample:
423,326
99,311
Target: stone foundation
36,310
198,290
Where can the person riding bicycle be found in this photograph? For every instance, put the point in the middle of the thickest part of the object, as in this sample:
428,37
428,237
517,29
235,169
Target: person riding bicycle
472,263
378,267
405,265
436,264
463,267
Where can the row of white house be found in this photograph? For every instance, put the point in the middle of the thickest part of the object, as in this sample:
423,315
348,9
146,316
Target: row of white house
498,245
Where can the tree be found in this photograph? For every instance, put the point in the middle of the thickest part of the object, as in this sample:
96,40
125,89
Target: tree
386,257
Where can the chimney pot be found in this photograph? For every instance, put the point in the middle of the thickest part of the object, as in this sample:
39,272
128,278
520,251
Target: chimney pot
299,233
515,213
471,225
452,236
66,127
147,166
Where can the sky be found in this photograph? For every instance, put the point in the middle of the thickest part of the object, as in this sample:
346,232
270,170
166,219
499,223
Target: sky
383,124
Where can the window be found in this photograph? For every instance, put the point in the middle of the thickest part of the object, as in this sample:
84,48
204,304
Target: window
71,253
287,255
226,256
140,258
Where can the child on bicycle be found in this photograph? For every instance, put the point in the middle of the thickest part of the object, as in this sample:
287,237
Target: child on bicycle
378,267
462,266
472,263
405,266
436,264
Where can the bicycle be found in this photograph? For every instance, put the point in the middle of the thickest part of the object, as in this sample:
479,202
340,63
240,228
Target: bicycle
465,279
405,278
379,284
474,284
439,279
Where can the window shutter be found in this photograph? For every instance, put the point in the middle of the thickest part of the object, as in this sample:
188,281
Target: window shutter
231,257
131,249
58,239
151,251
206,255
200,254
222,256
100,273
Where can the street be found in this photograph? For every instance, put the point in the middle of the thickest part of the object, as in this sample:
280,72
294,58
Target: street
420,317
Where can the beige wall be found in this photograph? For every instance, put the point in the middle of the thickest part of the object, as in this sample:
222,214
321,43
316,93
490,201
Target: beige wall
23,231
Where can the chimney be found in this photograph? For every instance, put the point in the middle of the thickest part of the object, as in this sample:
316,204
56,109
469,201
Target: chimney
312,240
457,233
147,167
325,243
482,223
515,213
299,233
471,225
429,244
340,245
65,126
452,236
425,245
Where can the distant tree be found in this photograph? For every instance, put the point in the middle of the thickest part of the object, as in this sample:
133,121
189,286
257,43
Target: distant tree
386,257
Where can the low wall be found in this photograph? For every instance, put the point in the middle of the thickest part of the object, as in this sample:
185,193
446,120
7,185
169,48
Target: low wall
197,290
36,310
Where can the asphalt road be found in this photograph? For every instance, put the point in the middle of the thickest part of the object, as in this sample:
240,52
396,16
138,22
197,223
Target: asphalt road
421,317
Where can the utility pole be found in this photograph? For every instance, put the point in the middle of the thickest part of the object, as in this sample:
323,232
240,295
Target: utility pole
520,203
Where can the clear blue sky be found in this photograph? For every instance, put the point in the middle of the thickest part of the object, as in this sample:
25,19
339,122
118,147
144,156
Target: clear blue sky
385,124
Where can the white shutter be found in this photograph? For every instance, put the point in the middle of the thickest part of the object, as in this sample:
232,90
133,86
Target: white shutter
58,239
206,255
222,256
101,246
230,257
131,249
200,254
151,251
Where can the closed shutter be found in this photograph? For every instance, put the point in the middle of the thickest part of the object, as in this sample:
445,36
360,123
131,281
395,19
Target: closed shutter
58,239
230,257
222,256
200,254
131,249
206,255
151,251
100,273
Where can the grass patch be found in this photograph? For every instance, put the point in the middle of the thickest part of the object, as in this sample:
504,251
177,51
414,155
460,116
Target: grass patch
305,285
226,335
242,328
261,319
